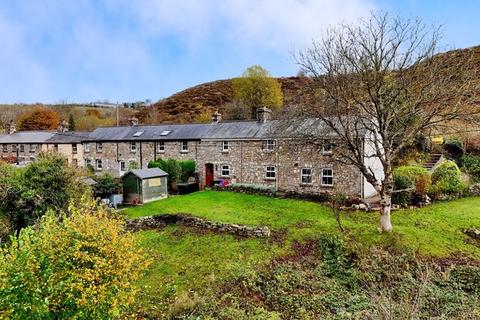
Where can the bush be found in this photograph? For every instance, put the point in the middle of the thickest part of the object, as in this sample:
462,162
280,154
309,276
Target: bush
472,166
446,179
401,183
47,183
81,265
454,147
170,166
106,186
411,176
188,169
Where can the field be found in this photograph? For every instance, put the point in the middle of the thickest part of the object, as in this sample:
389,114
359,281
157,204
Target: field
187,261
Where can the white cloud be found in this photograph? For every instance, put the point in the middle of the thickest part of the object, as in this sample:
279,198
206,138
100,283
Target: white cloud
275,24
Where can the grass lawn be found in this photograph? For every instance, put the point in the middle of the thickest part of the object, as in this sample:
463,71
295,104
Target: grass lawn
186,261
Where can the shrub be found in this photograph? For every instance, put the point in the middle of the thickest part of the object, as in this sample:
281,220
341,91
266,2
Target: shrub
188,169
170,166
420,179
106,186
47,183
81,265
402,183
472,166
446,179
454,147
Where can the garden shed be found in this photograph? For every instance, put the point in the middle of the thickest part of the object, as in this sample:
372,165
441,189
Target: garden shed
144,185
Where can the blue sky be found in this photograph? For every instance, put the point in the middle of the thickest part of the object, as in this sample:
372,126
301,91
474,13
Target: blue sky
127,50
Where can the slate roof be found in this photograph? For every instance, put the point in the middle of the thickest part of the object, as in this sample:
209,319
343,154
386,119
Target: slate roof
148,173
26,137
68,137
222,130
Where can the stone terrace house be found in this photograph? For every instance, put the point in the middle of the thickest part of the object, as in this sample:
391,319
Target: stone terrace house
24,146
242,152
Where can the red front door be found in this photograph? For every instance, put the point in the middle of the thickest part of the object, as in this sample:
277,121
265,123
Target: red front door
209,174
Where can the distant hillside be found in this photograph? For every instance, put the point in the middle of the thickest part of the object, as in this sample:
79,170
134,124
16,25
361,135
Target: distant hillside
86,118
185,105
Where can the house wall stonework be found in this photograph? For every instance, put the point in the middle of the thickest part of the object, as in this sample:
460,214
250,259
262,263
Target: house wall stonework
247,161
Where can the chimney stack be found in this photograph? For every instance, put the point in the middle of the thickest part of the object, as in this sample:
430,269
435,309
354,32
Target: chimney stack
133,121
264,115
216,117
11,127
63,126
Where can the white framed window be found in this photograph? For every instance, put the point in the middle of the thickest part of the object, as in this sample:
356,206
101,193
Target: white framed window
133,147
4,148
88,163
99,147
14,148
225,146
22,148
327,147
184,146
86,147
123,166
74,148
161,146
33,148
327,177
269,145
225,170
270,173
306,176
98,164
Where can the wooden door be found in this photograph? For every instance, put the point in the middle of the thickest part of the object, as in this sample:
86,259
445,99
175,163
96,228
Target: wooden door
209,174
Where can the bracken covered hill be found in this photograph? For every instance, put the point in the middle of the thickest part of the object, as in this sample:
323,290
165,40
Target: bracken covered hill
185,105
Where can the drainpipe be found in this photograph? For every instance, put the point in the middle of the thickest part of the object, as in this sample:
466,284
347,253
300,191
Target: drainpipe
141,156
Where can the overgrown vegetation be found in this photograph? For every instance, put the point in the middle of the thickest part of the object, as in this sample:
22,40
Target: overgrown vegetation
178,170
75,264
47,183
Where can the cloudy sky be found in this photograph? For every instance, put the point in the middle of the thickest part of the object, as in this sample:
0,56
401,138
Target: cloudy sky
127,50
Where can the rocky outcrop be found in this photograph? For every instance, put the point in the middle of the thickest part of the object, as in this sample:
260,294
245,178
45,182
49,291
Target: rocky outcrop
160,221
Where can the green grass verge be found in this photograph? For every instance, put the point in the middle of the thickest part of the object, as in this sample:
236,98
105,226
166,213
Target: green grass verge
188,261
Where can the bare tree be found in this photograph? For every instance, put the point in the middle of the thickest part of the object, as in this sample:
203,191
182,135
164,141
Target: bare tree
382,76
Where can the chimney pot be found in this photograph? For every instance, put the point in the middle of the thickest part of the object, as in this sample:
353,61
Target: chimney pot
133,121
216,117
264,115
11,127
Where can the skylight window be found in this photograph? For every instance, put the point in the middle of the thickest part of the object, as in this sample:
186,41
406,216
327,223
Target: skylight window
138,133
165,132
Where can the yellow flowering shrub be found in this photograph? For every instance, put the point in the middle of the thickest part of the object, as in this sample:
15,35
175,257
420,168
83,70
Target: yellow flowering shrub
79,265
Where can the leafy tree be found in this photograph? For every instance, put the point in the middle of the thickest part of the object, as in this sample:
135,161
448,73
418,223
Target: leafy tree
204,117
257,89
188,168
77,265
71,123
170,166
40,118
106,185
47,183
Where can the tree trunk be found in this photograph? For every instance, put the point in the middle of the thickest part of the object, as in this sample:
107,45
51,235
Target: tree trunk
386,207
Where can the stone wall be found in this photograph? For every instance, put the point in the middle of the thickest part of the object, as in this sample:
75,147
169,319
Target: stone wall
160,221
247,160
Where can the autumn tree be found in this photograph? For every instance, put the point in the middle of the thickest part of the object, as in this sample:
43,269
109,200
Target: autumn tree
71,123
382,78
256,89
74,264
39,118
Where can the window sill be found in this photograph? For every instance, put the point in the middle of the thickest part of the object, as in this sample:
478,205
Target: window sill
327,153
268,151
270,179
184,151
306,184
162,151
327,185
225,151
